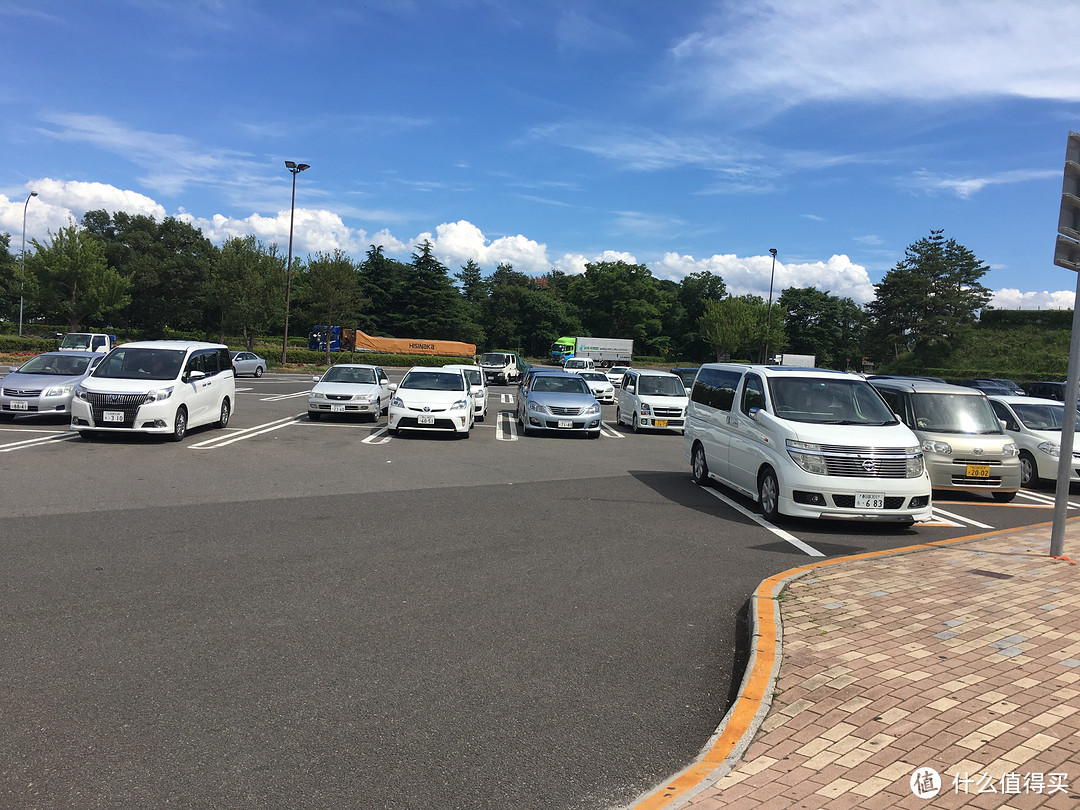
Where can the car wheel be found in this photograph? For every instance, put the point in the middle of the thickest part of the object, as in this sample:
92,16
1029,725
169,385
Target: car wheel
1029,470
313,416
699,465
258,371
1004,497
392,431
633,423
769,495
223,420
378,411
179,425
618,416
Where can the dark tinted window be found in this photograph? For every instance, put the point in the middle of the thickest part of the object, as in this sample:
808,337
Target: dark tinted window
752,396
715,388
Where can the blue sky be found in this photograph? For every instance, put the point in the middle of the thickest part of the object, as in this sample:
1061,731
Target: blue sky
685,135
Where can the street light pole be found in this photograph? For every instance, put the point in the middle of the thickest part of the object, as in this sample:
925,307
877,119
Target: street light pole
295,168
768,313
22,259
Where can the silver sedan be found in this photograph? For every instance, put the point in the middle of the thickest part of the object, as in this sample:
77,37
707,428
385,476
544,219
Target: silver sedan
248,363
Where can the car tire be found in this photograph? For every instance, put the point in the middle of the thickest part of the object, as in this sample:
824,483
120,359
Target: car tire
392,431
314,416
1004,497
378,411
633,423
225,413
618,416
699,466
179,425
1029,470
769,495
258,371
466,434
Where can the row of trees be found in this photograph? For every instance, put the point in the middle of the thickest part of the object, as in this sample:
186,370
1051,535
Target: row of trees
133,272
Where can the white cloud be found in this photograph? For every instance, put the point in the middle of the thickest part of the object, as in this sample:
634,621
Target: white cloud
965,187
457,242
1009,298
751,274
804,50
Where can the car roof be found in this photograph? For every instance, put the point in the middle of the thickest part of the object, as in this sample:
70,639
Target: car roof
653,372
353,365
171,344
1017,399
917,386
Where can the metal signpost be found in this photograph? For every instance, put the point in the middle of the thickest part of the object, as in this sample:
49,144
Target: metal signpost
1067,255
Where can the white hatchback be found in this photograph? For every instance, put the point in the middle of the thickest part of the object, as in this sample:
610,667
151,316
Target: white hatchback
432,399
477,383
156,386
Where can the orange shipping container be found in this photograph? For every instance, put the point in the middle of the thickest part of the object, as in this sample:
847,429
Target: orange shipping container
355,340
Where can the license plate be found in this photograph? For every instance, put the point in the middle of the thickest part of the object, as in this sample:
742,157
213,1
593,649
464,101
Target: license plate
425,419
869,500
112,416
565,423
337,408
20,406
660,422
978,470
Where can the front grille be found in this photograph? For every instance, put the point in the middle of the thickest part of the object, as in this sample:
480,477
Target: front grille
865,462
128,404
848,501
557,411
22,392
339,397
667,413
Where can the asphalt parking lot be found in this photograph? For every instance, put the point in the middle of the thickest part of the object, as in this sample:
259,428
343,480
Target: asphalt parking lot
313,614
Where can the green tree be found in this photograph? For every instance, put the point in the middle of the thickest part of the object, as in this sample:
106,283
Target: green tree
735,327
432,306
10,278
827,326
333,290
73,282
928,303
696,290
247,288
618,300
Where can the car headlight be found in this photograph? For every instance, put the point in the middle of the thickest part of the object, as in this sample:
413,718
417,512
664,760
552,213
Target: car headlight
1050,449
158,394
479,395
645,409
808,456
535,407
1010,449
57,391
592,409
915,463
397,403
80,392
460,405
364,398
941,448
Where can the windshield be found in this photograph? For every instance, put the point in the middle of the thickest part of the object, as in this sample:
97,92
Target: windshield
1042,417
829,401
595,376
561,385
56,365
687,375
433,381
493,360
75,340
345,374
954,413
141,364
661,386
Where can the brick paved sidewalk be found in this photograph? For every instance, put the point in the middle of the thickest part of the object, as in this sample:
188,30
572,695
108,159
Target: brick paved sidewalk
962,658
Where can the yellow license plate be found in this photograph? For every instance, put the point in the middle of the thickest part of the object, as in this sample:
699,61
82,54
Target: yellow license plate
978,470
660,422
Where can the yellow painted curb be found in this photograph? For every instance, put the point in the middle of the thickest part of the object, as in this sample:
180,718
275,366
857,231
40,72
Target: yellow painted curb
737,729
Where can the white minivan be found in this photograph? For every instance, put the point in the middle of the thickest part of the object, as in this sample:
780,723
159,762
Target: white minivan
805,443
156,386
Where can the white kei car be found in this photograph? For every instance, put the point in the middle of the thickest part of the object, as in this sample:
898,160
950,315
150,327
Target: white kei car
475,375
438,399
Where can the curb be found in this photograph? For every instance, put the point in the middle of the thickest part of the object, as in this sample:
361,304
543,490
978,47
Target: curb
736,731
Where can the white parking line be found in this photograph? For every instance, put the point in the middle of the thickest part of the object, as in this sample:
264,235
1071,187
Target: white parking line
1043,499
506,399
40,440
608,430
380,436
246,433
963,520
785,536
280,397
509,433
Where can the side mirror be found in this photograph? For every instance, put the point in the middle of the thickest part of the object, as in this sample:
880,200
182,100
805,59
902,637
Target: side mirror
629,389
195,375
316,378
392,387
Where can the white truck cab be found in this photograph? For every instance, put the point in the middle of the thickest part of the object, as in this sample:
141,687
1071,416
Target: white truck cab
87,342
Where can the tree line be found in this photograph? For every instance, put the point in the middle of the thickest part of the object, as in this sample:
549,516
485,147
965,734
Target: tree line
133,272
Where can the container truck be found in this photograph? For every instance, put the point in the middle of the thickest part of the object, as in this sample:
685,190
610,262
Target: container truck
604,352
503,367
353,340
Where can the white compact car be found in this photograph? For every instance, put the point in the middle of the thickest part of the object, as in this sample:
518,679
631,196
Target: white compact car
1035,425
350,388
475,375
432,399
156,386
651,400
600,386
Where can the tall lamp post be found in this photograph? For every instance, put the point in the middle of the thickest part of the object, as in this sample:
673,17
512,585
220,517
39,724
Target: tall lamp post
768,312
295,168
22,258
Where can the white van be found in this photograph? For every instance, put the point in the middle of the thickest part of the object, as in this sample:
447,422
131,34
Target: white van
576,364
805,443
156,386
649,399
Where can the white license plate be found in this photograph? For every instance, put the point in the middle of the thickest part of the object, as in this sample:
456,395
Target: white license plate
565,423
112,416
425,419
337,408
20,406
869,500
